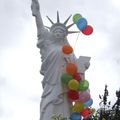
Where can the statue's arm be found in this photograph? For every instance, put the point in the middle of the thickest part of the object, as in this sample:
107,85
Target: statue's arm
36,13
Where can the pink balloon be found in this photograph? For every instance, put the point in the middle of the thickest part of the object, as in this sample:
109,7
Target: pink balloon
84,96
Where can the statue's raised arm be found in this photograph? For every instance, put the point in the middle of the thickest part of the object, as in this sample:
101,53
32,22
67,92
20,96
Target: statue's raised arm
35,7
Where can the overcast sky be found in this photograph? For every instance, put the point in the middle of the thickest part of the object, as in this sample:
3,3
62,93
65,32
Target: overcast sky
20,81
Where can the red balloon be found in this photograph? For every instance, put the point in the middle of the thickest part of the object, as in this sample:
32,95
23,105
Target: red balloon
88,30
77,76
86,112
73,95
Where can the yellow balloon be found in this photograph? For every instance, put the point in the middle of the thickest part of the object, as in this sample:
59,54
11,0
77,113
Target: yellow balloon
78,107
73,84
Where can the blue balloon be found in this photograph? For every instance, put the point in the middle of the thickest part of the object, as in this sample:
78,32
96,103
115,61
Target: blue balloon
81,23
75,116
88,103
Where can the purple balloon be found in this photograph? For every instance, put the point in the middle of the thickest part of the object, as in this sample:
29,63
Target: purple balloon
84,96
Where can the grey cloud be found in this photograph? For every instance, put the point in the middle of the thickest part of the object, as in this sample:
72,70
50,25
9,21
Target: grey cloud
34,99
1,112
14,17
2,81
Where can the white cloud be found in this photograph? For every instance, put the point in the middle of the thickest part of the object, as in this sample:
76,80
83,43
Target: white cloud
116,3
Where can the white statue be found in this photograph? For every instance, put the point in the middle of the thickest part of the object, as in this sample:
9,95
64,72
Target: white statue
50,42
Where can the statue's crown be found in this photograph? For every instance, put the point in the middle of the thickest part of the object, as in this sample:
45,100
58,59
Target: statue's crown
61,25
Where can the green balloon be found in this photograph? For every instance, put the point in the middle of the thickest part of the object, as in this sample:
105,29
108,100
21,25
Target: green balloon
76,17
65,78
84,85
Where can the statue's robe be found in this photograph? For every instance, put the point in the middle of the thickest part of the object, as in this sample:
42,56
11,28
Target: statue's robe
54,98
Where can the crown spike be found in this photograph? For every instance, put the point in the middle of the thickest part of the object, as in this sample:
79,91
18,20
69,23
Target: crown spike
58,19
70,32
50,20
70,25
47,27
67,20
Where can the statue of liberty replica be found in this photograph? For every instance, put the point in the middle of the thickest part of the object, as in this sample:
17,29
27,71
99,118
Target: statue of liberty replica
66,93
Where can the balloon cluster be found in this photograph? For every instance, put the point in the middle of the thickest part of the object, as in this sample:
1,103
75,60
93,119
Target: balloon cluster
82,24
78,89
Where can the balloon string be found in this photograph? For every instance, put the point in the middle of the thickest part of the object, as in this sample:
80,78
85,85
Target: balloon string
76,41
75,45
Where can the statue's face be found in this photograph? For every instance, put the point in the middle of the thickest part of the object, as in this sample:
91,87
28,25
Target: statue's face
59,33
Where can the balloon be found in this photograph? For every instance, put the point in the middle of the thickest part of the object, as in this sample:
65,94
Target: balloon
71,68
65,78
82,23
67,49
93,110
86,112
75,116
88,30
89,102
76,17
73,95
77,76
84,84
73,84
78,107
84,96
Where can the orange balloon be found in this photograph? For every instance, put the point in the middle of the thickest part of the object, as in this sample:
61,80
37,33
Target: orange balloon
71,68
67,49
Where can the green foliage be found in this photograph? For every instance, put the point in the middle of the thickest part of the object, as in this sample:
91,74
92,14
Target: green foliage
106,111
